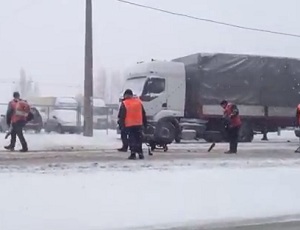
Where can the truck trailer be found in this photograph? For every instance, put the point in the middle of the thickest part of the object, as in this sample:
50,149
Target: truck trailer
183,96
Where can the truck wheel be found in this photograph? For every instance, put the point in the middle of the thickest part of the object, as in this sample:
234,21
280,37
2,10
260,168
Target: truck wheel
165,133
246,133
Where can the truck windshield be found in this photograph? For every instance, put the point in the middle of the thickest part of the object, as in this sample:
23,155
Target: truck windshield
153,86
136,84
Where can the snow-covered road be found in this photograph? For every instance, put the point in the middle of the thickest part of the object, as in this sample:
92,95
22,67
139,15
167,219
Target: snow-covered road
288,225
58,149
110,140
107,199
84,184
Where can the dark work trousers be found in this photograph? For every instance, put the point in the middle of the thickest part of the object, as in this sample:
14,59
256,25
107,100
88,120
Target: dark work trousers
124,138
233,136
135,139
17,130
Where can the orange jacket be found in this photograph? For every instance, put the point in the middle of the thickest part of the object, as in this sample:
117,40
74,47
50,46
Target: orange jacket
232,115
134,112
21,111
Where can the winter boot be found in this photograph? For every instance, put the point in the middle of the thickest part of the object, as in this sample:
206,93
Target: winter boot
9,148
141,156
122,149
228,152
132,156
23,150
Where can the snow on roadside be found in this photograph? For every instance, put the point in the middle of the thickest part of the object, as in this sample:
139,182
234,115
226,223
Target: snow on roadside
111,140
124,199
54,141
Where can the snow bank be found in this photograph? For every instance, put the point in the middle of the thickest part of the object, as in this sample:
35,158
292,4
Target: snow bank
112,199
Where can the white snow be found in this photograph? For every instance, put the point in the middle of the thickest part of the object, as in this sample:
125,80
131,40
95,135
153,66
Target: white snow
109,139
124,199
126,195
54,141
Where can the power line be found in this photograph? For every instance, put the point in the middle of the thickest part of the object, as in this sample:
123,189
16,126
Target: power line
210,20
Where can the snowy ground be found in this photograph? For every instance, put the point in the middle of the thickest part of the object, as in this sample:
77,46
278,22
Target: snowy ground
131,199
103,139
93,187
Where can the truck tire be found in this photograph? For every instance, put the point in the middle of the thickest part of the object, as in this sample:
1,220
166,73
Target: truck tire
165,132
246,133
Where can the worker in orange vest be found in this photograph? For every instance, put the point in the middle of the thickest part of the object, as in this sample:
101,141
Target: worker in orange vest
18,114
132,117
232,124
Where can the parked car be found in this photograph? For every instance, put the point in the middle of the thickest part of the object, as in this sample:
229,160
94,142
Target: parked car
62,121
35,124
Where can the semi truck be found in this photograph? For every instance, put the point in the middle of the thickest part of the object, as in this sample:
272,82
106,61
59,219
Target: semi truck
182,96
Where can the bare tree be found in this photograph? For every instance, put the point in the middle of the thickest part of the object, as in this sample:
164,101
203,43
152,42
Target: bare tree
100,84
117,86
26,86
22,83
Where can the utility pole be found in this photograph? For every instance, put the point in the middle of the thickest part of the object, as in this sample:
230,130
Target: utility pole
88,72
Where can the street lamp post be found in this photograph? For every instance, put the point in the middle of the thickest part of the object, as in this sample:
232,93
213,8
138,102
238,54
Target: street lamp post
88,72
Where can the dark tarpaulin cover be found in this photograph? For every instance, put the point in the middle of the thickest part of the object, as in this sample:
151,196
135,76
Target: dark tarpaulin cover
241,79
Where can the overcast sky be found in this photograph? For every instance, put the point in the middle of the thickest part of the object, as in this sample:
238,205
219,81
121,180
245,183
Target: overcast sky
46,37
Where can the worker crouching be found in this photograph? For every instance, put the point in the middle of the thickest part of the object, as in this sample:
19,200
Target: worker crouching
132,118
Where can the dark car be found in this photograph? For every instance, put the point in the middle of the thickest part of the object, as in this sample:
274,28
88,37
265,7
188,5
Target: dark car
35,124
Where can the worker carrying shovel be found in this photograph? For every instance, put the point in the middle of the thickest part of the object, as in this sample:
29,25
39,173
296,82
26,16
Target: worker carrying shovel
232,123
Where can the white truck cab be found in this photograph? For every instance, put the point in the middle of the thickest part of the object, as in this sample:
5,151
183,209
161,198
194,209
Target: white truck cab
161,86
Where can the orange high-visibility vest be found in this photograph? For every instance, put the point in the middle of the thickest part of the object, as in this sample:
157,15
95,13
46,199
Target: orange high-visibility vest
134,112
234,121
21,111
